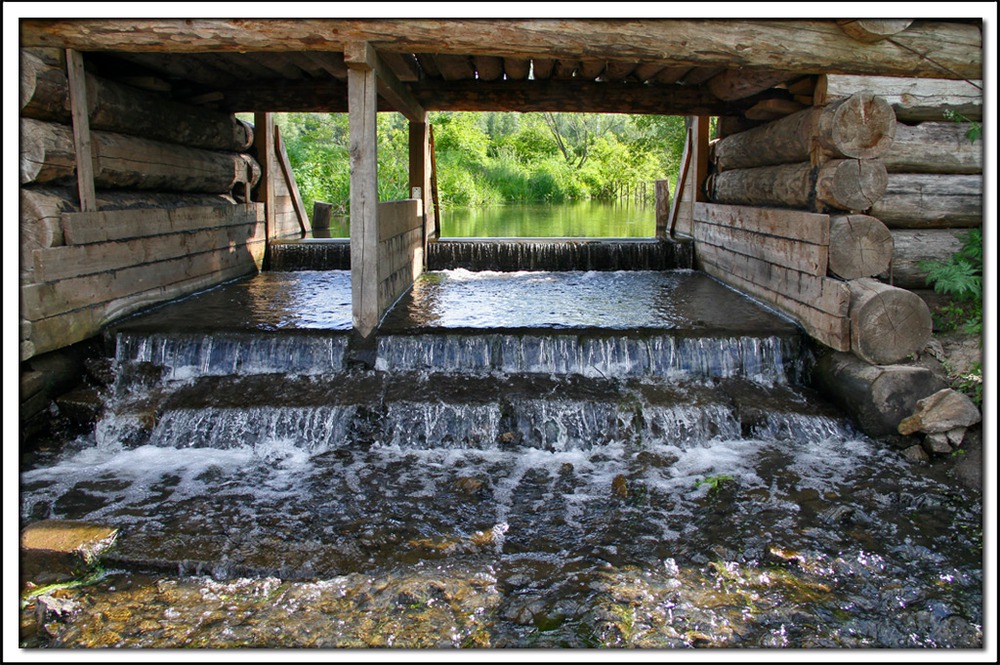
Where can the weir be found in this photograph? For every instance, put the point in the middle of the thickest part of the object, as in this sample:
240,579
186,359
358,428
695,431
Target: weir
499,472
407,441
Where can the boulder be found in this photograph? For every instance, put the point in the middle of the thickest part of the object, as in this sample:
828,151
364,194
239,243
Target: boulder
941,412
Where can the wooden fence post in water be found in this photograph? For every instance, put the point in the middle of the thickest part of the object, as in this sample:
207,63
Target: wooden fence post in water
662,207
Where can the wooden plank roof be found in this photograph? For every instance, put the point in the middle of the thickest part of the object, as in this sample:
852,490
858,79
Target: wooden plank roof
662,66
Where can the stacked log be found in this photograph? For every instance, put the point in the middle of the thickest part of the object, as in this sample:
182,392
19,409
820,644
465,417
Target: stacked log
819,159
934,190
171,181
825,166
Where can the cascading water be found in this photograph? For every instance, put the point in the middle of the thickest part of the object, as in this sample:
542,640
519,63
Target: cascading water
535,460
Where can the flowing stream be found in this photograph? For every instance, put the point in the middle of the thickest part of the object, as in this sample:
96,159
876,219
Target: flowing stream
534,459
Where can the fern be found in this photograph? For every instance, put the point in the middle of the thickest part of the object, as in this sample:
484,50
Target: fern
961,276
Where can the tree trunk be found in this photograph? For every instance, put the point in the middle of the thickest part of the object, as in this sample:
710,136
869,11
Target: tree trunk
934,147
878,397
912,247
860,246
120,161
119,108
912,99
861,126
887,323
842,184
931,201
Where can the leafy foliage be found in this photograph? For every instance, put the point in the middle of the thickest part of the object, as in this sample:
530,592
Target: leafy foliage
492,158
961,276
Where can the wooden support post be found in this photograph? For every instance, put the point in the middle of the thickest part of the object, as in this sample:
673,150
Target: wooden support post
420,172
662,192
434,185
286,170
362,105
81,130
697,173
681,185
263,139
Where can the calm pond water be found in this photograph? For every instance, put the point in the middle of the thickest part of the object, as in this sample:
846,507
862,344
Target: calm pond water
625,218
576,219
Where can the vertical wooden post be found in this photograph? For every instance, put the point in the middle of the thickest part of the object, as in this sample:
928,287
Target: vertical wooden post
694,187
436,231
662,192
263,139
362,106
420,171
81,130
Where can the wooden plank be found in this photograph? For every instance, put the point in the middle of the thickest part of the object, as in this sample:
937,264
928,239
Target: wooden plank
809,227
823,293
361,55
39,301
926,49
434,185
828,329
80,111
397,217
263,139
363,93
420,169
454,67
569,96
62,330
403,65
57,263
293,188
662,198
681,182
84,228
541,68
488,68
516,68
397,252
804,257
591,69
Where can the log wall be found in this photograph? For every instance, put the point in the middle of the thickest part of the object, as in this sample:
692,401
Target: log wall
170,215
886,210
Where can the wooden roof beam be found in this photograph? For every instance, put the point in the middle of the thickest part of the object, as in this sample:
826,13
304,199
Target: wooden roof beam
361,55
925,49
570,96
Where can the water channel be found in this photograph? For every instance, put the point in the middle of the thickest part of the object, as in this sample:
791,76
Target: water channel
625,218
633,461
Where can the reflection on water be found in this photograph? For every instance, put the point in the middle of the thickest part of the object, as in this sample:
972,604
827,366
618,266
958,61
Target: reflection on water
625,218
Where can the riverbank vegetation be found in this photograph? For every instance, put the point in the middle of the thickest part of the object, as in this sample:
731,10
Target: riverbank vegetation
494,158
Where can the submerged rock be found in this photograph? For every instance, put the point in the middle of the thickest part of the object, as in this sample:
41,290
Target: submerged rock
55,551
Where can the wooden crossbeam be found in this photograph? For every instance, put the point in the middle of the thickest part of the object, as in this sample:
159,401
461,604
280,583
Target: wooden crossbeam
928,49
